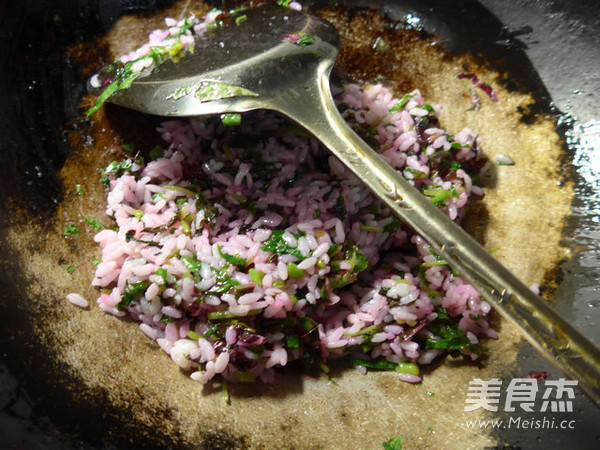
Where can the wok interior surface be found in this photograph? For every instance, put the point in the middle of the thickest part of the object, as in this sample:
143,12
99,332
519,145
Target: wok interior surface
102,383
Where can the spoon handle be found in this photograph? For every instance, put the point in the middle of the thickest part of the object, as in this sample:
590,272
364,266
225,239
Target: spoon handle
312,106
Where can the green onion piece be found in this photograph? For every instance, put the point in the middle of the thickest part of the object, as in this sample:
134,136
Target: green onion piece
219,315
79,189
410,368
324,367
279,283
185,226
439,196
232,119
193,335
431,394
256,277
294,272
184,190
95,261
240,19
434,263
225,389
138,214
372,229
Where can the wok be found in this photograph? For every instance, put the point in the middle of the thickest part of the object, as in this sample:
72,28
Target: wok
547,49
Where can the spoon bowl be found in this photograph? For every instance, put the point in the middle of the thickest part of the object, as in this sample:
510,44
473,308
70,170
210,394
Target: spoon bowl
238,67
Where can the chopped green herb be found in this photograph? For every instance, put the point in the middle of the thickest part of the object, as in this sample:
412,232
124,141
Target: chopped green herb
71,229
133,292
116,169
427,108
305,40
277,245
130,237
95,261
376,365
93,223
213,90
231,259
455,165
191,264
306,324
430,430
162,272
393,226
292,341
431,394
68,267
79,190
438,196
401,103
124,82
220,315
334,249
394,443
180,92
451,337
340,208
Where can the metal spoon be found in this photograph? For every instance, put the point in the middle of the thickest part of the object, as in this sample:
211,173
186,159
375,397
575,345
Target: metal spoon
256,65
